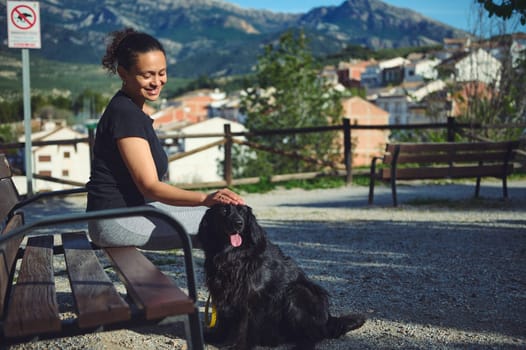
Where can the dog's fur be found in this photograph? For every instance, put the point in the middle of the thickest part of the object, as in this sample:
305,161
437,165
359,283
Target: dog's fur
261,296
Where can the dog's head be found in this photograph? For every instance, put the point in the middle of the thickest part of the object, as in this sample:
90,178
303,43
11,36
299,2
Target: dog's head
229,226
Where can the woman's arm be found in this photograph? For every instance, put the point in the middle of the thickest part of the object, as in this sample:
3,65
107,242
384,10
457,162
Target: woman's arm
135,152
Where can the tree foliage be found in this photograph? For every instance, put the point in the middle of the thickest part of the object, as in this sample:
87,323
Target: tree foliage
289,93
92,101
501,101
505,9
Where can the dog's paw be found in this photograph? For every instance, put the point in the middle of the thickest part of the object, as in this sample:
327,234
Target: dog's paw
214,336
353,321
338,326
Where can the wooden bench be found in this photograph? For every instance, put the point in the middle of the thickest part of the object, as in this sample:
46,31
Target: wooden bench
448,160
29,308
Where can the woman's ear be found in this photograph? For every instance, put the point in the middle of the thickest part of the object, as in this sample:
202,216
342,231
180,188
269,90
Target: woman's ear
122,74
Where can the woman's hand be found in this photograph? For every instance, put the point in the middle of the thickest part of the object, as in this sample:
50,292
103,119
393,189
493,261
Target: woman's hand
223,196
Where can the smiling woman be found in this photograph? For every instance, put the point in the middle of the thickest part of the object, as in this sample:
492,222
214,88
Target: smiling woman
129,162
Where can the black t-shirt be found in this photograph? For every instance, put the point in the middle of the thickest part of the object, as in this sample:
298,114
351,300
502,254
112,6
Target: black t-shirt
110,184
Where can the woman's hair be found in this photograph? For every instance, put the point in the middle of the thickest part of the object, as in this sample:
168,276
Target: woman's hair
125,45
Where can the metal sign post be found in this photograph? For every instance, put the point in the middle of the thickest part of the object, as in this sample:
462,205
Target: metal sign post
23,29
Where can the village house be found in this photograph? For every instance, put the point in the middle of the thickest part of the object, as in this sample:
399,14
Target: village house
518,48
395,102
188,109
422,69
365,143
383,73
371,76
457,44
478,65
226,107
203,166
350,73
67,162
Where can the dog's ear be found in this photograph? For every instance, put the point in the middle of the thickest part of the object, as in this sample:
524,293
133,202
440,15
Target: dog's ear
206,232
203,224
255,231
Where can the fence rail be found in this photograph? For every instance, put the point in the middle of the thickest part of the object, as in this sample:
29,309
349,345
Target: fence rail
228,138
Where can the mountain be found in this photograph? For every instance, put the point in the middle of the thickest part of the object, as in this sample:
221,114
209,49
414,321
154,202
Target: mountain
213,37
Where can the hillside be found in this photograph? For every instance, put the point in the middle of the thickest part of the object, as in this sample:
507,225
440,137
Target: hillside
206,37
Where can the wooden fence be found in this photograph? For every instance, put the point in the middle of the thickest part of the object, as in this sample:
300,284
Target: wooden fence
228,138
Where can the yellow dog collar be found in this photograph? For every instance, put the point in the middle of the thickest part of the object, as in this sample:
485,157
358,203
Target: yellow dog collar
210,318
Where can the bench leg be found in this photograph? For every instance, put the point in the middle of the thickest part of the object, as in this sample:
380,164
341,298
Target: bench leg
505,187
194,331
371,190
477,188
393,191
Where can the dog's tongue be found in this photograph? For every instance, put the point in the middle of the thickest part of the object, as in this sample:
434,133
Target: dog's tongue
236,240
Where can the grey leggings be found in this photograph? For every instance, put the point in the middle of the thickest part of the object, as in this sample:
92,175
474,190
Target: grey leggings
144,232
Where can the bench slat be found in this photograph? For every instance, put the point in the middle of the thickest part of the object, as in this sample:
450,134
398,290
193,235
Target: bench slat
461,157
453,146
97,300
33,307
154,292
8,252
9,196
5,169
445,172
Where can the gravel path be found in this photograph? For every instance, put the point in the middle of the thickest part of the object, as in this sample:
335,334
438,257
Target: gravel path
441,271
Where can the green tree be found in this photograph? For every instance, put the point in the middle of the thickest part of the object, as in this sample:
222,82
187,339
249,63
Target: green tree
500,101
90,102
505,9
289,93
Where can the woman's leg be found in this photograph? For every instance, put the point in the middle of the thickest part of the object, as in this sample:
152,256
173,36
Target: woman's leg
146,232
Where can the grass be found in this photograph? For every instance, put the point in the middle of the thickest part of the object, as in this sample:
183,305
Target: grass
310,184
360,179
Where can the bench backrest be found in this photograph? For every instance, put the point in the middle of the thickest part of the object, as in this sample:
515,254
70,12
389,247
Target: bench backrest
8,193
8,253
449,159
450,152
8,250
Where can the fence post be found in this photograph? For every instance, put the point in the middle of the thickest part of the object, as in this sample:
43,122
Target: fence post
451,129
227,170
347,156
91,125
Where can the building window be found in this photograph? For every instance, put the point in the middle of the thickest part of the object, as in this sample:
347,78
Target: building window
67,154
44,158
65,172
44,172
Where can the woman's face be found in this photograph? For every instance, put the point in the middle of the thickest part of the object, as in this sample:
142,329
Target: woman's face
145,80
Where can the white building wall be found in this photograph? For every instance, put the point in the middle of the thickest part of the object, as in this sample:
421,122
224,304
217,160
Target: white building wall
479,66
66,162
426,68
396,106
202,166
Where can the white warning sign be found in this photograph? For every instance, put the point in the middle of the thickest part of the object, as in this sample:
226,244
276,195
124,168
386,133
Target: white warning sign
23,24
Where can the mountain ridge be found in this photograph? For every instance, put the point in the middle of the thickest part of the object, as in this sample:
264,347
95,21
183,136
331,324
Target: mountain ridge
215,38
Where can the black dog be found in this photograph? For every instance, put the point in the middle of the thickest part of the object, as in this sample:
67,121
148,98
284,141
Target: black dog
261,296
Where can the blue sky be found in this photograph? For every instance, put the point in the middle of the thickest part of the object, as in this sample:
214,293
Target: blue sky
453,12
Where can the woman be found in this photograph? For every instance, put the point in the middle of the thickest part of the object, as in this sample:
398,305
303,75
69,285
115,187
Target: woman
129,161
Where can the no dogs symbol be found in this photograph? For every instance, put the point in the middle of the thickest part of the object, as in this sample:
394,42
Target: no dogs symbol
23,17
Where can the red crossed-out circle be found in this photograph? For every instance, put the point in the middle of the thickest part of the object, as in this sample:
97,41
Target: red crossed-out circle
23,17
